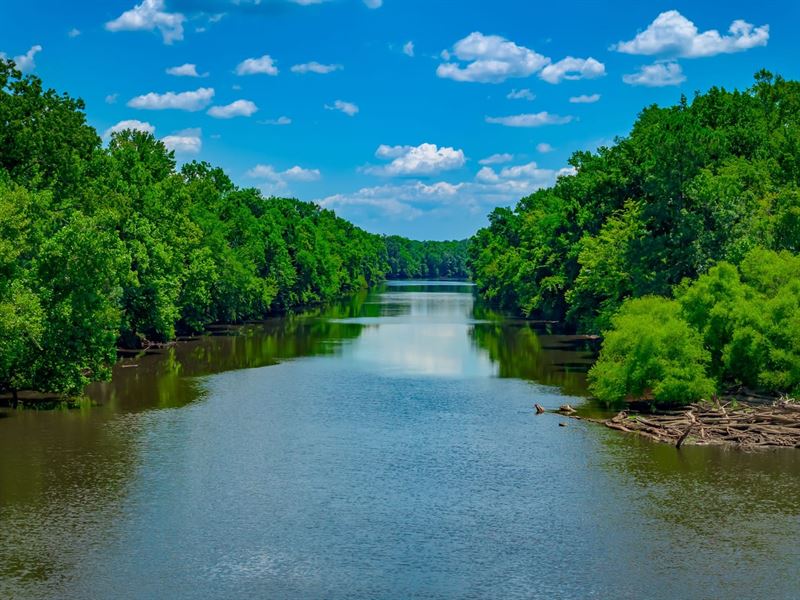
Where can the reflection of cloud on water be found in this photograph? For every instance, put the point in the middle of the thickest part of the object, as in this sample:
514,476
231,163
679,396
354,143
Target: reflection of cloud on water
431,349
421,332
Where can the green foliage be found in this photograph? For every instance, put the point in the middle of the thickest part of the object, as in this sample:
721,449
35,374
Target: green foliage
750,319
651,352
78,271
702,198
605,278
691,185
45,142
410,259
107,246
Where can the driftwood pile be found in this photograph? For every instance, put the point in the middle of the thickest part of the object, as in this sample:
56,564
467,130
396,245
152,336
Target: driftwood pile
714,423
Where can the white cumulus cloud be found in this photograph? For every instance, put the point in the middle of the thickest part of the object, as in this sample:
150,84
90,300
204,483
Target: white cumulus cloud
130,124
408,48
544,148
511,183
489,59
300,174
572,68
672,33
188,141
656,75
239,108
257,66
425,159
25,62
149,16
192,101
530,120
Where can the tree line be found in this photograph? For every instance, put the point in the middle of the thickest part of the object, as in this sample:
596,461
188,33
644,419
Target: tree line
411,259
107,246
679,242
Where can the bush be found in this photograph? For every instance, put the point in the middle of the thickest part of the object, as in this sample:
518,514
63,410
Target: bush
651,353
749,319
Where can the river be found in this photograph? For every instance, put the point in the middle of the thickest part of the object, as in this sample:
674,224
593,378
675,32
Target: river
384,447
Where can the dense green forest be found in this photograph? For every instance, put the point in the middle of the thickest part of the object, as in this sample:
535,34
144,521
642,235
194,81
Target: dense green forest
679,242
410,259
101,246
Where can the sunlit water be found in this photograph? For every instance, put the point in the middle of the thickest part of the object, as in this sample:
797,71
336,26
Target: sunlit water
383,448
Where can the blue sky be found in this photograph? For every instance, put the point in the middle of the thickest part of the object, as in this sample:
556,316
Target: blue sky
414,117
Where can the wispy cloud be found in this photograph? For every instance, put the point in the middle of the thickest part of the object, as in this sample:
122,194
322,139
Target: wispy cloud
523,94
347,108
278,121
530,120
497,159
315,67
585,99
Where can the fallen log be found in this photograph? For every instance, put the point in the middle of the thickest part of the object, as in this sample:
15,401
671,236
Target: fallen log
744,426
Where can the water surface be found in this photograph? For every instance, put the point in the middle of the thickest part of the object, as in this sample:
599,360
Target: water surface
385,447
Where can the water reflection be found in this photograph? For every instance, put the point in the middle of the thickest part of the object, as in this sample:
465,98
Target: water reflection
399,458
420,330
519,351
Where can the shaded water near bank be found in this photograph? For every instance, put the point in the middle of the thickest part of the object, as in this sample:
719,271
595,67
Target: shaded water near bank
385,447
